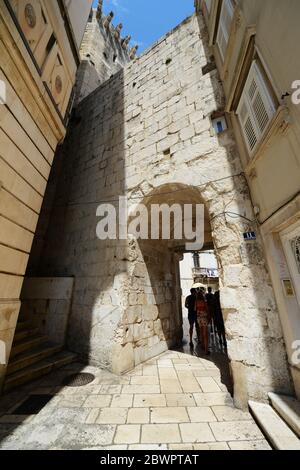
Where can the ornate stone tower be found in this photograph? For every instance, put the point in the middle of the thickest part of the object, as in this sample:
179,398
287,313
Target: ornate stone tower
103,52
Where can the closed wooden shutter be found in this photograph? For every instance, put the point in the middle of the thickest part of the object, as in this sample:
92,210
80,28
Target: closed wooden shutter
208,4
226,16
256,108
247,124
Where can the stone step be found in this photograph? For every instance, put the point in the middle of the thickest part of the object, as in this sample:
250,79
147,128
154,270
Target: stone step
25,333
288,408
275,429
38,370
32,356
26,344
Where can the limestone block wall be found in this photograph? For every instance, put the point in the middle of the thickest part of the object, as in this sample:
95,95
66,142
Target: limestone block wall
102,53
146,133
46,304
93,160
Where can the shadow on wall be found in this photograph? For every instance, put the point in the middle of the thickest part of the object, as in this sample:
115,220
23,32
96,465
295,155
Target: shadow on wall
91,172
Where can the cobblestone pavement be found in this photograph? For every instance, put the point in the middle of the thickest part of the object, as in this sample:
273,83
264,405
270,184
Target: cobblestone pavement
177,401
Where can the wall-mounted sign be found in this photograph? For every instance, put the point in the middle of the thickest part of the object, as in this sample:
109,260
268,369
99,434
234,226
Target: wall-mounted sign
249,236
206,272
288,288
212,273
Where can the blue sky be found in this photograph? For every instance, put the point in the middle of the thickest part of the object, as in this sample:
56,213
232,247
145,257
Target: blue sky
148,20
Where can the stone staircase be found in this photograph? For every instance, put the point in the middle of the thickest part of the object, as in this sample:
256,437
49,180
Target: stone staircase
33,356
279,421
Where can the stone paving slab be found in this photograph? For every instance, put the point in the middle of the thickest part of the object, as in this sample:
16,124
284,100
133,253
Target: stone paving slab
203,414
138,416
128,434
76,436
112,416
160,433
180,399
173,402
236,431
228,413
196,432
169,415
249,445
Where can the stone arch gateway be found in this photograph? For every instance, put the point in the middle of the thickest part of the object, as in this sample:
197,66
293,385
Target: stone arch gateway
146,134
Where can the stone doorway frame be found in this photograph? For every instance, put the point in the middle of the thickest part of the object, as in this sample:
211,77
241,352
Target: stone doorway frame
285,219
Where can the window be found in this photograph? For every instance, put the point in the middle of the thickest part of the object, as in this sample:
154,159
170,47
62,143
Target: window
208,4
196,258
256,108
219,124
226,16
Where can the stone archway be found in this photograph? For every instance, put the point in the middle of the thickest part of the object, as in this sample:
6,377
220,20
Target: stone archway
156,272
152,321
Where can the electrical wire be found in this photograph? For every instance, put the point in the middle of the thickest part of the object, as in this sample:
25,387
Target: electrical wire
233,215
155,194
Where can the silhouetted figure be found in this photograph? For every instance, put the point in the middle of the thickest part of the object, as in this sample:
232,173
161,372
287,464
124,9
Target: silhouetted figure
210,300
190,304
203,319
218,320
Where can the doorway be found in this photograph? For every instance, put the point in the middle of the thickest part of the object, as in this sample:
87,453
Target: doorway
291,244
200,270
290,292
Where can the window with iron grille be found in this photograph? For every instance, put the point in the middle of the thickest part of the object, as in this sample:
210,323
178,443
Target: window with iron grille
256,107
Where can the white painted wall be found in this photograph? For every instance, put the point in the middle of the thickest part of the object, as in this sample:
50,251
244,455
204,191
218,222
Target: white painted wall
186,274
208,260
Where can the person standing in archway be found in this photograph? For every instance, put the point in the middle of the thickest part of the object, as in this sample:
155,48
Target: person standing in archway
210,300
190,304
203,319
219,321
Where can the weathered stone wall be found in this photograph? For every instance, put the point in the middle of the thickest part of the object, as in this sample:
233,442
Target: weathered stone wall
102,53
147,134
46,304
102,56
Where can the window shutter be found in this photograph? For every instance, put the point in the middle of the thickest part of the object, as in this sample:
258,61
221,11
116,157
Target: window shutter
256,108
248,125
222,43
260,97
208,4
226,16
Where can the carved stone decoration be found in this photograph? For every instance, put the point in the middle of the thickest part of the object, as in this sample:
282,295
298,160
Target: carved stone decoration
30,15
237,21
295,243
58,84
